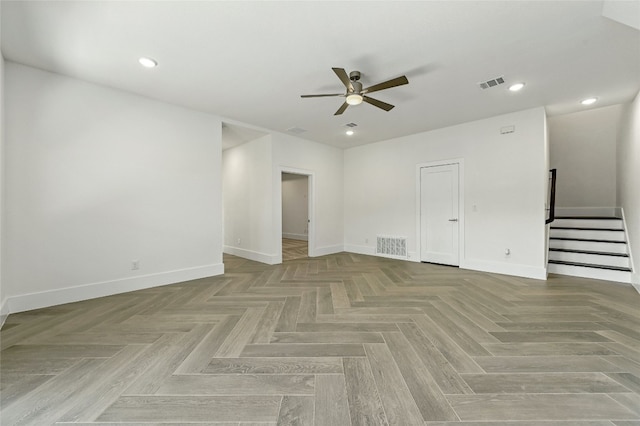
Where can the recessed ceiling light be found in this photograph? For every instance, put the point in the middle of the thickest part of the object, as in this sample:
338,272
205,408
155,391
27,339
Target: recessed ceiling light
516,87
589,101
148,62
349,132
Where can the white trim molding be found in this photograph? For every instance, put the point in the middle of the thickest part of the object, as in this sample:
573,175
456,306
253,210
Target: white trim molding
269,259
525,271
300,237
27,302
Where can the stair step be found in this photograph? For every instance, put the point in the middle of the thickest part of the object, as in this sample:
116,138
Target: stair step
589,265
590,222
586,272
598,259
588,234
602,253
589,217
588,245
578,228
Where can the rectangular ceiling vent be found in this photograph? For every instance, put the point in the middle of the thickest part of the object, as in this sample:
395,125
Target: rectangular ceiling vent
351,125
491,83
395,247
296,130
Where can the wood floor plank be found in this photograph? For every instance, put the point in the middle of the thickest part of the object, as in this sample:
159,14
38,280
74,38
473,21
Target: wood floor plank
273,365
296,411
289,314
192,408
243,384
548,336
327,337
199,358
423,387
365,407
306,350
331,401
445,376
538,406
545,364
543,383
241,334
399,405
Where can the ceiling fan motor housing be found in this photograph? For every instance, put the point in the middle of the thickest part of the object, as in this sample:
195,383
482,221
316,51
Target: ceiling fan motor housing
354,75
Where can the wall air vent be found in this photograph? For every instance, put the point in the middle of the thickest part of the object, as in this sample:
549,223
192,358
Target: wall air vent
296,130
491,83
395,247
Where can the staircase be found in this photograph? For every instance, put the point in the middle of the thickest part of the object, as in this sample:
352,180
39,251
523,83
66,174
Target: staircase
590,247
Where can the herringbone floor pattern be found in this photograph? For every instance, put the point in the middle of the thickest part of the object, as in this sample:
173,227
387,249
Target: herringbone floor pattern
338,340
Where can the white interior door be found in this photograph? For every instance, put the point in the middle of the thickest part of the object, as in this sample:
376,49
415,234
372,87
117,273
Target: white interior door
439,226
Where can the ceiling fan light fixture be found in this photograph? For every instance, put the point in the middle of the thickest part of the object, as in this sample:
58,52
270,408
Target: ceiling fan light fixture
354,99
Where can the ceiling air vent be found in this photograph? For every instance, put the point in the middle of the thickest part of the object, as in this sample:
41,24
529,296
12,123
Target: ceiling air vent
491,83
296,130
351,125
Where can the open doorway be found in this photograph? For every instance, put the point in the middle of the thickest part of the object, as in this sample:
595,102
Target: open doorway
295,216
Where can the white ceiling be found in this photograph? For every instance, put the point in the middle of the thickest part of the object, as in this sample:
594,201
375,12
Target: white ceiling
249,62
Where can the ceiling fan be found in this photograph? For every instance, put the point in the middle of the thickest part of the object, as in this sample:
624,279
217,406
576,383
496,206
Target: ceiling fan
356,94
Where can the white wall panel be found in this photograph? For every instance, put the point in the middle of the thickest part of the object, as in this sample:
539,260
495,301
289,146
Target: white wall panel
97,178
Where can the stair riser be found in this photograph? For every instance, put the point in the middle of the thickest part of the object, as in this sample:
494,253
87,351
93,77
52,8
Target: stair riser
593,259
587,234
599,274
588,223
588,246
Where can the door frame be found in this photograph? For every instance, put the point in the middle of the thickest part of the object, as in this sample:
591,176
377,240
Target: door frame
311,238
461,221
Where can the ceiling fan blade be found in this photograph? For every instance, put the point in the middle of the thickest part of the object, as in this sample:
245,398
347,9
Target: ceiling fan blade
321,96
385,106
344,78
341,109
399,81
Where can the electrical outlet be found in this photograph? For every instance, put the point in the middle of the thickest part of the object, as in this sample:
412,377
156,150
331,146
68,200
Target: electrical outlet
366,241
135,265
239,241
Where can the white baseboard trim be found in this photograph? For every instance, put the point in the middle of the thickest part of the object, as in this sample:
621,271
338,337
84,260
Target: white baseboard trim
635,281
524,271
27,302
269,259
323,251
588,211
371,251
301,237
368,250
4,312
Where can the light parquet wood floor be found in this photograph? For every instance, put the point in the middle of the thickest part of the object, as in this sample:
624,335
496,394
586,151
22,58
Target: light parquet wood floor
338,340
294,249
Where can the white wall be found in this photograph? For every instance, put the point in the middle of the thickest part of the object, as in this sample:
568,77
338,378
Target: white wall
583,149
504,179
325,165
628,178
253,195
97,178
3,293
295,206
248,198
